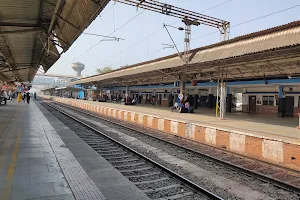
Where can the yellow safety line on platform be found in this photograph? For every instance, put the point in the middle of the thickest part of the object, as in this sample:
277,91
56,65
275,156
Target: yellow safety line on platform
11,170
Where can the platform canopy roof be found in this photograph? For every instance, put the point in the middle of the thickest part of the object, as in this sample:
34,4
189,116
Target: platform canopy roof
32,33
273,52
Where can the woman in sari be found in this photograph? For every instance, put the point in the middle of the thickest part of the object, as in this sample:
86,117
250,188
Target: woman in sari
19,98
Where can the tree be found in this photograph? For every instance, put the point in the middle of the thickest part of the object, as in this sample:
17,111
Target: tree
104,70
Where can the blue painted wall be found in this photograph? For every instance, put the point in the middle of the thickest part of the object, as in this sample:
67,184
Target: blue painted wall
214,84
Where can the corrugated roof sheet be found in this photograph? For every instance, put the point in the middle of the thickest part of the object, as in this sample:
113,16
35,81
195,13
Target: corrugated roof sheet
80,14
25,51
270,41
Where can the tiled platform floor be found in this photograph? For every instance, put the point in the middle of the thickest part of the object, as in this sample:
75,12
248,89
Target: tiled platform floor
28,166
35,163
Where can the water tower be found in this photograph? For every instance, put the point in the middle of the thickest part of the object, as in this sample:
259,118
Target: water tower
78,67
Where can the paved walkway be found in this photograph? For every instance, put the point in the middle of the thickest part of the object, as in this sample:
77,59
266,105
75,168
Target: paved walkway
43,159
259,126
34,163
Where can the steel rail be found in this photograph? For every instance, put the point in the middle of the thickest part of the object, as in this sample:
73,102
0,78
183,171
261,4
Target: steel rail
261,177
189,183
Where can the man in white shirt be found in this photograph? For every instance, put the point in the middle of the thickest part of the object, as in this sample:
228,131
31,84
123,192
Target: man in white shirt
133,101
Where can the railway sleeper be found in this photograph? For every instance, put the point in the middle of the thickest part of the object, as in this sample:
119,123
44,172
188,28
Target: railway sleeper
177,196
150,181
135,170
162,188
143,175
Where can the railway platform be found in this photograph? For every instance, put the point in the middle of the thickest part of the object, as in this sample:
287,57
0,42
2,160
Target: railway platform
41,158
270,139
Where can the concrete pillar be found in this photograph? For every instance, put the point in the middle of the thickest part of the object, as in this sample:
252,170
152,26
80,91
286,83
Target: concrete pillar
126,94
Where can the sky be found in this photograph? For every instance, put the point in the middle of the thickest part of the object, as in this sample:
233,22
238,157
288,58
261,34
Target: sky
143,31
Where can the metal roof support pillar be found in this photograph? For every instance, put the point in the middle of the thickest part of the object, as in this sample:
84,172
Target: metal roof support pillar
221,85
183,78
126,94
101,93
222,99
54,15
182,87
221,96
218,99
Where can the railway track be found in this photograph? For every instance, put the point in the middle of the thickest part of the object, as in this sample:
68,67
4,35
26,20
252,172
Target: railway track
154,179
281,177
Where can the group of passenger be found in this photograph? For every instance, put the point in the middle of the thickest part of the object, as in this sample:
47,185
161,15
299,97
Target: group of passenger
182,106
21,96
24,97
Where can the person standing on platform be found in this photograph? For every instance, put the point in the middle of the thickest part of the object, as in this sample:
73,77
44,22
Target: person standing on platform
4,94
24,96
28,97
34,96
11,94
134,101
19,98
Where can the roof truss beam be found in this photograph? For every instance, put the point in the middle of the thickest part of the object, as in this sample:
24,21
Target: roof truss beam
4,48
21,31
15,24
68,22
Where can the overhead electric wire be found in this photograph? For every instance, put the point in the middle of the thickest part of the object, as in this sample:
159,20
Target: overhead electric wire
112,37
100,16
236,25
104,22
177,22
251,20
114,18
125,49
80,39
215,6
108,35
266,15
125,24
156,31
